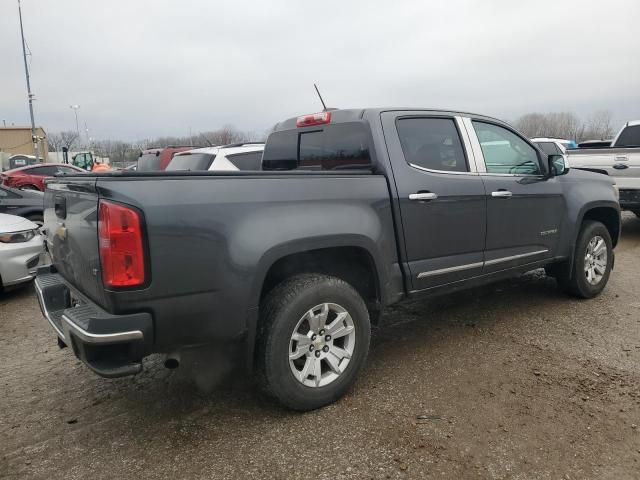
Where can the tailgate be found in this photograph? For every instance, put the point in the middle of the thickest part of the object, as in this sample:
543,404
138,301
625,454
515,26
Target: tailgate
71,224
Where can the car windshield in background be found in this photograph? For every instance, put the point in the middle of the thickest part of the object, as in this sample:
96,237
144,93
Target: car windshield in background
191,161
149,162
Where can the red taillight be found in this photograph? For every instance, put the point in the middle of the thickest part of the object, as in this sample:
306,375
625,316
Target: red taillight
321,118
121,252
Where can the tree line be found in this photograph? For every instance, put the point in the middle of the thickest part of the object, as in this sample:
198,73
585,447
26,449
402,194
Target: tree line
596,126
123,153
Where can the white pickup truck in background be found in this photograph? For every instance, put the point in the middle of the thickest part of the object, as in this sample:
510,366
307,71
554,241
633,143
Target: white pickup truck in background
621,161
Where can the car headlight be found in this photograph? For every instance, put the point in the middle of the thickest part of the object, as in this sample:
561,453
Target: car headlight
616,191
17,237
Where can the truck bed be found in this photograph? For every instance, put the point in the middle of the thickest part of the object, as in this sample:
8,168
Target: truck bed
209,238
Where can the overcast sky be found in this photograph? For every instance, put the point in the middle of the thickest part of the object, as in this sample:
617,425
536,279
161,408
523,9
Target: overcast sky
142,68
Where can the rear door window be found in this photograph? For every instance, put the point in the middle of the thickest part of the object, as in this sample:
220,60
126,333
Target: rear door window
247,161
432,144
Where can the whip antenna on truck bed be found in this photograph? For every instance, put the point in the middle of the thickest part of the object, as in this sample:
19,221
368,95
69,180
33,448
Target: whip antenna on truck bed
324,107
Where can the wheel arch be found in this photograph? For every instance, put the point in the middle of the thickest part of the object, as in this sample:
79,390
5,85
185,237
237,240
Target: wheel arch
606,213
327,255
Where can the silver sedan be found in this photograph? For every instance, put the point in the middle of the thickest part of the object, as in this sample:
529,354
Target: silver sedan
21,250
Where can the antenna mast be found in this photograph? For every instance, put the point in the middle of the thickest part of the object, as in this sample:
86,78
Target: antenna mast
324,107
34,138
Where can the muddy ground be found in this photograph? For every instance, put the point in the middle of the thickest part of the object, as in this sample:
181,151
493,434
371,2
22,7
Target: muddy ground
512,381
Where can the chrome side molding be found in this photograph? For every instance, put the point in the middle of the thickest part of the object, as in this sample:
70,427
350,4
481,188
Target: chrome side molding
469,266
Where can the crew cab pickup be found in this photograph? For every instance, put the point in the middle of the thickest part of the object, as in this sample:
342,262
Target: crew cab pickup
353,210
621,161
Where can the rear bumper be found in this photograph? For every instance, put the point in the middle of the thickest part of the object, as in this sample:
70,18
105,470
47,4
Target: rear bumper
110,345
629,199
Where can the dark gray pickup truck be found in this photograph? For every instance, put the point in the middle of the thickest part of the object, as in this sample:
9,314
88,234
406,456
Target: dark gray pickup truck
354,210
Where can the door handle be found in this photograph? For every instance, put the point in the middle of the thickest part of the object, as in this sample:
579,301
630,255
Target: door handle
620,166
423,196
621,158
502,194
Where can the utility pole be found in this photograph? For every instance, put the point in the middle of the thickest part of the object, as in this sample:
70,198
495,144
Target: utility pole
75,109
34,137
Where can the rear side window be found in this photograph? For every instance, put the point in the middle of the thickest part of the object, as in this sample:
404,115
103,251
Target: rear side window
432,143
247,161
549,148
44,171
148,162
191,161
340,146
630,137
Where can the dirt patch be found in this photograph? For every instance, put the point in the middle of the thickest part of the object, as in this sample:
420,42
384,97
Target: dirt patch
511,381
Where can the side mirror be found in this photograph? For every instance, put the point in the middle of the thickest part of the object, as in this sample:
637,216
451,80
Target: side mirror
558,165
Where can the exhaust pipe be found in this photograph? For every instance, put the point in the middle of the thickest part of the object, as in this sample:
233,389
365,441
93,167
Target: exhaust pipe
172,361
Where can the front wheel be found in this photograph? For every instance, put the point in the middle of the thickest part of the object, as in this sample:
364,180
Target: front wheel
314,340
592,263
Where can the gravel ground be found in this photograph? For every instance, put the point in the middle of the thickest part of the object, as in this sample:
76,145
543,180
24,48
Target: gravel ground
511,381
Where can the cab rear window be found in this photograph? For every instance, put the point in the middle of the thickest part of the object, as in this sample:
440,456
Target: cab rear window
340,146
630,137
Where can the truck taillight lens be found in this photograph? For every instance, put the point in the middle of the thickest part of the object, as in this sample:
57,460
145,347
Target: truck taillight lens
321,118
121,252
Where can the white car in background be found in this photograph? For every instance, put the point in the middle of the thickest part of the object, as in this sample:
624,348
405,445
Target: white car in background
238,156
554,146
21,250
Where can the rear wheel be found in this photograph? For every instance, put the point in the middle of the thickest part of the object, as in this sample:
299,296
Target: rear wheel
313,342
593,259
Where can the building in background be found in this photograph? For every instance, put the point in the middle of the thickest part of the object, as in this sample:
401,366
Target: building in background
17,140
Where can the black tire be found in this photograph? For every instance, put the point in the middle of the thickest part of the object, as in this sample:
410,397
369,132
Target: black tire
577,285
280,313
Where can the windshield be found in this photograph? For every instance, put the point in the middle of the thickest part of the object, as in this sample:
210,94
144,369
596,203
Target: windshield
148,162
191,161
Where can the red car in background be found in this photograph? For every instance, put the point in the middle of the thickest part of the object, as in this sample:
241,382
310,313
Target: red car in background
32,177
155,159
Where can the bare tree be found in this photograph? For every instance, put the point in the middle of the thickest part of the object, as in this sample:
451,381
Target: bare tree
598,125
55,142
69,139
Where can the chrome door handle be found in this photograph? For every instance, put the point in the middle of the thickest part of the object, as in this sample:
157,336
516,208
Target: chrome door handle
423,196
502,194
621,158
